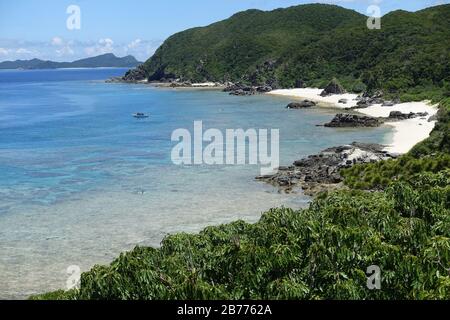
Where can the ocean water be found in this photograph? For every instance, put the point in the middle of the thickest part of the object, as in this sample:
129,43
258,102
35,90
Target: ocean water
81,180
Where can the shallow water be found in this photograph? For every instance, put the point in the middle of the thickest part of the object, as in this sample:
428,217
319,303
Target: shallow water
81,180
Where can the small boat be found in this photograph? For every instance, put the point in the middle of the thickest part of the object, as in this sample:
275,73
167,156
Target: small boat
140,115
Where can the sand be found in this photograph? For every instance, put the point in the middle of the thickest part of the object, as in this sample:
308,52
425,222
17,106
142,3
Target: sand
406,133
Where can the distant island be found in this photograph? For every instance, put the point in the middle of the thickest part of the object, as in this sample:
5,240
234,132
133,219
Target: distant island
101,61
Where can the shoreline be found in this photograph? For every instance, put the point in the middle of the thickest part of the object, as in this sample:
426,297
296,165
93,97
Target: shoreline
406,133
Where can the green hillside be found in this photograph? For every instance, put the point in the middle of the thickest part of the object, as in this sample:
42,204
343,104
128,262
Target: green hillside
102,61
314,43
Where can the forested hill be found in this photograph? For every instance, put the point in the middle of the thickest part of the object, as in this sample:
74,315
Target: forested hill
102,61
312,44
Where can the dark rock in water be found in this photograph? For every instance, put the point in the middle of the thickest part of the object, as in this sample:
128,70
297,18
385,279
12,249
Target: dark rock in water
352,120
321,172
333,88
397,115
240,89
343,101
114,80
234,87
264,89
134,75
242,92
301,105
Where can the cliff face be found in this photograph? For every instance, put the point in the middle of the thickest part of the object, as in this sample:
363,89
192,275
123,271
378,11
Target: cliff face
310,44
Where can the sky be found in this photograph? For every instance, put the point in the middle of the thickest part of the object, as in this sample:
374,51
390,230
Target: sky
66,30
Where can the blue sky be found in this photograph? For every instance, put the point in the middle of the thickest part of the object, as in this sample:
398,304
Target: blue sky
30,28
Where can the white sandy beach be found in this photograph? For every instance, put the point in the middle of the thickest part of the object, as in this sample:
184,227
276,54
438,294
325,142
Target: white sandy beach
406,134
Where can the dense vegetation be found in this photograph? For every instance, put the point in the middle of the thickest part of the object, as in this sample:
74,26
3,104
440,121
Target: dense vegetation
319,253
409,56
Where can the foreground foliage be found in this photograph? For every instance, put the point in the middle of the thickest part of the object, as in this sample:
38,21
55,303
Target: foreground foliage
319,253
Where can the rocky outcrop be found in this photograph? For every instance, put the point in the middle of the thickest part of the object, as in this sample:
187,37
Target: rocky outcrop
397,115
179,84
301,105
240,89
333,88
134,75
264,89
264,75
434,117
343,120
321,172
300,83
388,104
367,99
115,80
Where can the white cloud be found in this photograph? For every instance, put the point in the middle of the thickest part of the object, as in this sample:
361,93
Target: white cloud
57,41
65,51
106,42
60,49
141,49
4,52
134,44
23,51
63,47
104,45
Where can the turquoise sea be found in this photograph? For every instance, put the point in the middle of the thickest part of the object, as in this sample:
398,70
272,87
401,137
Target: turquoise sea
81,180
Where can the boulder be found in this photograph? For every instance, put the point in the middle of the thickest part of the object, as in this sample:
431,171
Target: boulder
397,115
240,89
433,118
321,172
343,101
352,120
134,75
388,104
373,95
264,89
334,87
301,105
